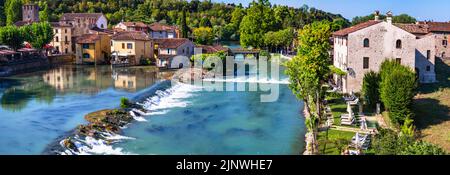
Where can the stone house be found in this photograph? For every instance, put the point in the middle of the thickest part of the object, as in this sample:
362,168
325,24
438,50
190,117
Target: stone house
363,47
62,41
131,26
161,31
168,49
83,22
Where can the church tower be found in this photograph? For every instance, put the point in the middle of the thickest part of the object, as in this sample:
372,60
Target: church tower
30,13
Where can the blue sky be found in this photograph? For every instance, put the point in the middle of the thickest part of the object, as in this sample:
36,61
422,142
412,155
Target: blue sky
436,10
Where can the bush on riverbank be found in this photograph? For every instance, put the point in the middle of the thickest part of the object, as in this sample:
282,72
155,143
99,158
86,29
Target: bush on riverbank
124,103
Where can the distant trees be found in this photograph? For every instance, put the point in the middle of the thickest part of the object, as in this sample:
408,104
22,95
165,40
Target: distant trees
402,18
183,24
280,39
13,11
43,14
203,35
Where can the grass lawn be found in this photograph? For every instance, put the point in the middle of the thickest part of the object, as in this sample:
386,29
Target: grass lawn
333,135
432,108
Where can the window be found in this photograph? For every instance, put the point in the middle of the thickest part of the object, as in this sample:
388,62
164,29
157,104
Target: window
102,26
85,46
398,60
168,51
66,51
366,42
444,42
66,38
123,45
129,46
398,44
65,30
366,63
183,50
56,30
57,39
428,54
428,68
86,55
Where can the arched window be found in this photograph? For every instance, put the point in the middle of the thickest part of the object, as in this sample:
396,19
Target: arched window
398,44
366,42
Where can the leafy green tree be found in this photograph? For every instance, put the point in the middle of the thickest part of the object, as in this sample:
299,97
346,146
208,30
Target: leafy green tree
397,90
309,70
236,17
203,35
38,34
12,36
371,88
205,22
13,11
402,18
43,14
2,13
258,21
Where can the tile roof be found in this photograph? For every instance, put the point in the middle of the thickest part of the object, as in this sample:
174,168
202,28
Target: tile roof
346,31
414,28
171,43
23,23
208,49
131,35
58,24
135,24
88,38
161,27
72,16
439,26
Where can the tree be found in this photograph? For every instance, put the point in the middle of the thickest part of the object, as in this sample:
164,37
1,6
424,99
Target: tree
38,34
371,88
12,36
236,17
183,24
205,22
43,14
309,70
13,11
402,18
422,148
203,35
258,21
2,13
397,90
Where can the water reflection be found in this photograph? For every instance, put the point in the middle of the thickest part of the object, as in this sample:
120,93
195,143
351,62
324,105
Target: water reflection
16,92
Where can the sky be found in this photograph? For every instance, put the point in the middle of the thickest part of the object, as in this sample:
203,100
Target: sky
435,10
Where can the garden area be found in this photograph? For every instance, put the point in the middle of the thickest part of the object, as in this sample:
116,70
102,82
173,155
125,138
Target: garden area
333,142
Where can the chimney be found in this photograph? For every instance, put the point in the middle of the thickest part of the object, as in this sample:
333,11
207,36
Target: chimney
389,17
377,15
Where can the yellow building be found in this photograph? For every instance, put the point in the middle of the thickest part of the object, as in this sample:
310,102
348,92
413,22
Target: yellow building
93,49
62,41
131,47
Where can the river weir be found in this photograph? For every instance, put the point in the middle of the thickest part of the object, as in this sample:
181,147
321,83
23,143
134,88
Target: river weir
165,118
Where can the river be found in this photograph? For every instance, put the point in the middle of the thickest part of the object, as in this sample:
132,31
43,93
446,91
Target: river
39,107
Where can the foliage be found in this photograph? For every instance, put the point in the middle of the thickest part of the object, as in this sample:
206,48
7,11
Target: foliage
371,88
38,34
43,14
124,103
388,142
397,90
2,13
12,36
281,38
422,148
337,71
183,24
203,35
13,11
402,18
408,128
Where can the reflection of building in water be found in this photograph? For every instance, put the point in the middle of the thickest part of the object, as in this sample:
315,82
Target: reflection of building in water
78,79
133,80
60,79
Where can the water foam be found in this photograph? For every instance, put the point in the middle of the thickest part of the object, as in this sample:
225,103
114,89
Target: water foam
248,80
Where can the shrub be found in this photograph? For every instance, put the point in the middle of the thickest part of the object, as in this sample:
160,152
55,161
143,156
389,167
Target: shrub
124,103
371,88
422,148
397,90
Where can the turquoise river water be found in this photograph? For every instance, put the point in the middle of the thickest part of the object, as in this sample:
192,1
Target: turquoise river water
38,108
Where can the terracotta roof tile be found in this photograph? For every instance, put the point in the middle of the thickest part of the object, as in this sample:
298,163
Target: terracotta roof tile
355,28
439,26
131,36
161,27
414,28
171,43
72,16
88,38
212,49
58,24
135,24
